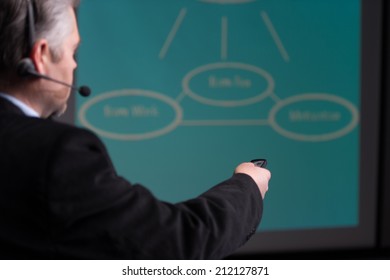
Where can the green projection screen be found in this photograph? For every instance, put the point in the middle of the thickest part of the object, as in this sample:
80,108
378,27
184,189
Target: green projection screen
183,91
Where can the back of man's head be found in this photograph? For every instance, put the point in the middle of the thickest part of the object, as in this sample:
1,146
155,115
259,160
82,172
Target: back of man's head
51,22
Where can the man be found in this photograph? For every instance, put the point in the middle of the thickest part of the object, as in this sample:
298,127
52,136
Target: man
60,197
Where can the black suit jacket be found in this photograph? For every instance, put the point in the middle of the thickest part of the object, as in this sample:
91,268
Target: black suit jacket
61,198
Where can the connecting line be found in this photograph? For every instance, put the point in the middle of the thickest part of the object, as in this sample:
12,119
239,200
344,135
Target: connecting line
275,98
224,38
172,33
224,122
181,97
275,36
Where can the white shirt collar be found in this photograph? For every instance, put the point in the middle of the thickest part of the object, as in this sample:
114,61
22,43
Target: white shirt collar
28,111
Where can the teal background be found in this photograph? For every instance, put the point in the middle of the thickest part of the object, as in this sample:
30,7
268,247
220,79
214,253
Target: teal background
314,183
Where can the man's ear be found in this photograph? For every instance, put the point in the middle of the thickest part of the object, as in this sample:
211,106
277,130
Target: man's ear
40,56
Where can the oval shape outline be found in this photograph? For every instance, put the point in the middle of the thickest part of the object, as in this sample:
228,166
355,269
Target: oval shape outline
227,65
319,137
131,92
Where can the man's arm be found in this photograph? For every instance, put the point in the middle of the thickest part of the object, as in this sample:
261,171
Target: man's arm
95,214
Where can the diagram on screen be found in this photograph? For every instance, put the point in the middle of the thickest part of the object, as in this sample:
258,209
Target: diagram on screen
225,85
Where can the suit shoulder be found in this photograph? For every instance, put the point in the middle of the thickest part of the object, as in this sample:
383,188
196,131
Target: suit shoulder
41,130
68,131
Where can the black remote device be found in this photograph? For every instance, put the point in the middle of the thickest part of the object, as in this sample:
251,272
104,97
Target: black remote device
260,162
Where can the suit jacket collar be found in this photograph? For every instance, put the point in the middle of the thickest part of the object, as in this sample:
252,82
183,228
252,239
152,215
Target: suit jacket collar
8,107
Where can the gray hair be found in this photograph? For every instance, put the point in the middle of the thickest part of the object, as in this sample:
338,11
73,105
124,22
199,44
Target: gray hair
51,23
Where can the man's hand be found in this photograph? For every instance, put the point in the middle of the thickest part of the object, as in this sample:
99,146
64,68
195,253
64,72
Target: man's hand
260,175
